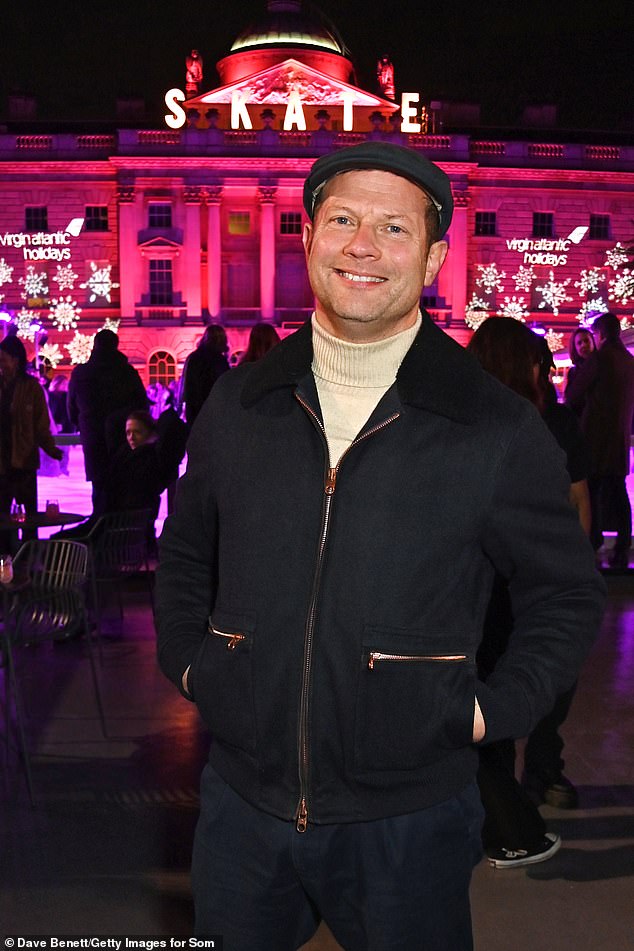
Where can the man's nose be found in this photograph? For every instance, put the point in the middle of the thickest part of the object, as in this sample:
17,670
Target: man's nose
363,243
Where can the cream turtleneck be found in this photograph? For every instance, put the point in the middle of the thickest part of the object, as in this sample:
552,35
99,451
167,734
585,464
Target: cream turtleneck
351,378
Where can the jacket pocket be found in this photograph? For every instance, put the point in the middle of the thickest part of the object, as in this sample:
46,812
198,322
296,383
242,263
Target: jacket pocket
415,700
222,680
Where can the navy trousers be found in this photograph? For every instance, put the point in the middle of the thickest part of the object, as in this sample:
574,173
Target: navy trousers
397,884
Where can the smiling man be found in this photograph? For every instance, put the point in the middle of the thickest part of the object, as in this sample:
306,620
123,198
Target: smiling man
323,584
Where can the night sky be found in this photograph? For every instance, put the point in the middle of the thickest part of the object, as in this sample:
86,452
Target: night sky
77,56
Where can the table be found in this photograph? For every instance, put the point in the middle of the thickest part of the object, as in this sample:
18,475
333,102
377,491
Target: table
40,520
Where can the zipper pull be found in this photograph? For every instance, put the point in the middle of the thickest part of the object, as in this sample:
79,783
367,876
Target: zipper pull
331,482
233,642
371,661
302,817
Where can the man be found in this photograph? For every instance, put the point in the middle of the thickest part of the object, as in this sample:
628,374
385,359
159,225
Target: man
25,428
101,393
346,503
602,392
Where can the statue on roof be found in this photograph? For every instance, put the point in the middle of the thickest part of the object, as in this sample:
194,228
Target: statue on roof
193,73
385,76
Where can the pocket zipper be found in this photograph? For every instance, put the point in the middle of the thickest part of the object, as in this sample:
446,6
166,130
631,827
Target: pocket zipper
404,658
233,639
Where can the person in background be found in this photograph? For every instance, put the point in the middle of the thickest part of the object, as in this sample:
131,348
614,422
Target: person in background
323,582
24,430
263,337
100,394
202,368
514,833
602,393
580,346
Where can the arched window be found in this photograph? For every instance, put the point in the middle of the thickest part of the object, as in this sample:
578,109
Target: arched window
161,367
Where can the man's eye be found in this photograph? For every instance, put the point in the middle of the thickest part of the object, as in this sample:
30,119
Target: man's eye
341,220
395,229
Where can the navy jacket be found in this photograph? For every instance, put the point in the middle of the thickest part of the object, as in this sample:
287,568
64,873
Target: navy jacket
332,618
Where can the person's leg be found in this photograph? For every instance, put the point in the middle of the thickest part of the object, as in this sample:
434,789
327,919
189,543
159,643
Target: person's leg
511,820
245,886
596,528
623,514
398,884
543,759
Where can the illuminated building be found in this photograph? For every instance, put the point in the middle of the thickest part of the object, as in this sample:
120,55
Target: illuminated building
201,220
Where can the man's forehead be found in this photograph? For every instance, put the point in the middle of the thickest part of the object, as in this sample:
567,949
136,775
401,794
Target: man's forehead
387,190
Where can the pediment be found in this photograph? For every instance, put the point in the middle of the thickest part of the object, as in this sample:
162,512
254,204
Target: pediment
273,86
159,243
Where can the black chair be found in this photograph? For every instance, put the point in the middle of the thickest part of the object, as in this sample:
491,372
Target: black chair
47,602
118,547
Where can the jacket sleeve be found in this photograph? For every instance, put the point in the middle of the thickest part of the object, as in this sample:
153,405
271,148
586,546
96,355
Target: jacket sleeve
42,423
533,537
583,381
186,575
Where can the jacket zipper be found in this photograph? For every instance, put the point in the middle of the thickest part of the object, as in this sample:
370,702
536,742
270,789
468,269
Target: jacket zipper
330,484
378,656
233,639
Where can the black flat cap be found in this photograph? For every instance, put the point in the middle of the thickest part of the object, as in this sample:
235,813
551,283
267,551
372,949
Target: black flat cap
386,157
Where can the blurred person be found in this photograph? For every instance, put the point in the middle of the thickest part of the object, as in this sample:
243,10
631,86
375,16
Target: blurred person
323,582
203,367
602,393
514,833
25,428
580,346
100,394
263,337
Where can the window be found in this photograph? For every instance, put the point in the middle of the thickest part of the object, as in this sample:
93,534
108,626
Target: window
36,218
96,218
160,283
239,222
485,223
161,367
159,214
543,224
600,227
291,222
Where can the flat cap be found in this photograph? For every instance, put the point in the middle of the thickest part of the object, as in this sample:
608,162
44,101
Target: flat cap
386,157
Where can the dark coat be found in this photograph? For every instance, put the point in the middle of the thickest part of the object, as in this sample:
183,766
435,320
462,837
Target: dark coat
602,393
106,386
202,369
345,608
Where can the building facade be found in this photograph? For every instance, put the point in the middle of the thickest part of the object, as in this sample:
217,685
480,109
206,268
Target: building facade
159,231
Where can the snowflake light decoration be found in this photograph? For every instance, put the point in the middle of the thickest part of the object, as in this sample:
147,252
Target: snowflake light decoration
490,278
554,340
80,347
625,323
65,277
476,313
52,353
524,278
616,256
64,312
590,280
5,272
514,307
24,320
110,324
622,287
100,283
554,293
34,284
590,308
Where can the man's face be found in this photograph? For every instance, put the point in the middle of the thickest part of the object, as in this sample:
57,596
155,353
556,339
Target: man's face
367,255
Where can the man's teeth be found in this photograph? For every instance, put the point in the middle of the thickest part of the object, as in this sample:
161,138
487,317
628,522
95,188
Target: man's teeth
361,279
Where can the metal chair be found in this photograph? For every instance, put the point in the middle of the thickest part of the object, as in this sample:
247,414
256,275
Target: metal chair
118,548
48,604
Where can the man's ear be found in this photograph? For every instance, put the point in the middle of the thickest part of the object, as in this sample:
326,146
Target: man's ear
307,237
435,260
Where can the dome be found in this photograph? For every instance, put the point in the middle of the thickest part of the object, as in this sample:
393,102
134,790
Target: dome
286,24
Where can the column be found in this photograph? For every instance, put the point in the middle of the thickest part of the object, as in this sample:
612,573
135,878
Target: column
190,278
214,253
458,256
129,257
266,198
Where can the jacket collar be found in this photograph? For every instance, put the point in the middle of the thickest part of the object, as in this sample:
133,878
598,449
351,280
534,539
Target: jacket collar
437,374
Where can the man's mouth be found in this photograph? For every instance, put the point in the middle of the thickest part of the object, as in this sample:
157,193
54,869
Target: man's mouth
361,278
